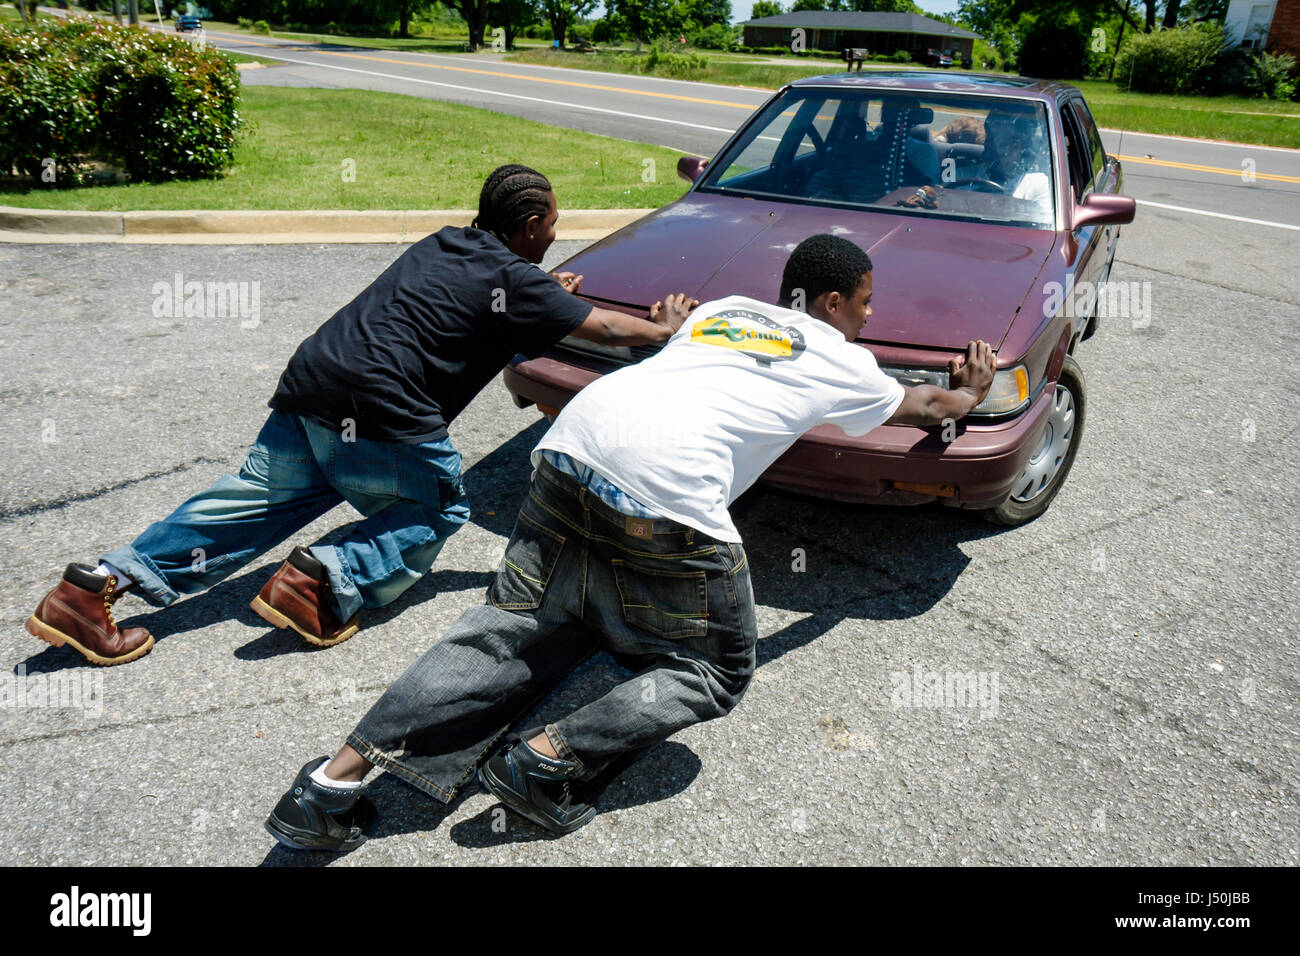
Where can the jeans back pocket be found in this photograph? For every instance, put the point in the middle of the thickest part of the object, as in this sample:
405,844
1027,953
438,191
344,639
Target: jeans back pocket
671,604
526,568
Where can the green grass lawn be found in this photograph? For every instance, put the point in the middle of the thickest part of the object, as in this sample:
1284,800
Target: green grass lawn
409,153
1231,118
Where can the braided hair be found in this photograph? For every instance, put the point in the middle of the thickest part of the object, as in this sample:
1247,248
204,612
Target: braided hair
511,196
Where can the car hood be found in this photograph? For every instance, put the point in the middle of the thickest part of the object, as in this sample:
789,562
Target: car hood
937,283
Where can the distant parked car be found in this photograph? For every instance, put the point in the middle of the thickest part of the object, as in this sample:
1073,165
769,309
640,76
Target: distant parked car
188,23
980,199
935,57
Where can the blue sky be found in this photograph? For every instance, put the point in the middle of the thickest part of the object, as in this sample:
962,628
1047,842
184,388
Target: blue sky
740,8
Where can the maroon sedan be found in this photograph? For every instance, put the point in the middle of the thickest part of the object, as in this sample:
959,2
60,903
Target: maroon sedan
983,201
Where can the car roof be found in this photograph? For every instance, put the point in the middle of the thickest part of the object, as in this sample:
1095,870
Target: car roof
929,81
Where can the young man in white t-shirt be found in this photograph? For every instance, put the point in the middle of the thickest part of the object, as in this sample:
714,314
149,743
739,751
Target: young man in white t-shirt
624,544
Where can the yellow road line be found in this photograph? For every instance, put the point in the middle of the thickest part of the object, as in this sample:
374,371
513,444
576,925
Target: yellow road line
1273,177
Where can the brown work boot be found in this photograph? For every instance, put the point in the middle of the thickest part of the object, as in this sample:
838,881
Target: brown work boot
80,612
298,596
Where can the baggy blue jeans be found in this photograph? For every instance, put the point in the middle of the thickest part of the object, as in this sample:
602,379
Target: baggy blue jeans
672,605
411,497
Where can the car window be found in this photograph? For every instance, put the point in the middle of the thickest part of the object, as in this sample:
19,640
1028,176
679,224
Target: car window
1078,154
758,148
1096,151
985,158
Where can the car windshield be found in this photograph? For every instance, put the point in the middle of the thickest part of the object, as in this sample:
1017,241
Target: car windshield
982,158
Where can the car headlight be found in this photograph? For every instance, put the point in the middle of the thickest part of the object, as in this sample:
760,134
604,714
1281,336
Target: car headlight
1009,391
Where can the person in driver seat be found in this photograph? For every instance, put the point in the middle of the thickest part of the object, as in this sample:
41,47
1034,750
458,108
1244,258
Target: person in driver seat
1015,154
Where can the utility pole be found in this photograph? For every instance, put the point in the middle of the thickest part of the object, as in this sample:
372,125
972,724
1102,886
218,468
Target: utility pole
133,11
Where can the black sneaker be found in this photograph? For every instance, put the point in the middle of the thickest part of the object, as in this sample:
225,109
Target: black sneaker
312,817
536,787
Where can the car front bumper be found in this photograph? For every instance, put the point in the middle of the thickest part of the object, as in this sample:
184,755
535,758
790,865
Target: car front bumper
893,464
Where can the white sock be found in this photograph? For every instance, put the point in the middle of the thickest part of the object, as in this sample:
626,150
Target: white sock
319,776
124,581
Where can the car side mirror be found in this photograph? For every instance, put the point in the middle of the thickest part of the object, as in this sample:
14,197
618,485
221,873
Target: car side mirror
1102,210
691,168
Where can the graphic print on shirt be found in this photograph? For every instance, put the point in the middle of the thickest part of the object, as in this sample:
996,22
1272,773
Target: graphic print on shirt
730,329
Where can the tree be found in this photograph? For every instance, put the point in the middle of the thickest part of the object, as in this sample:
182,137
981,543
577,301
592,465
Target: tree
560,13
475,13
765,8
404,10
886,6
512,16
645,19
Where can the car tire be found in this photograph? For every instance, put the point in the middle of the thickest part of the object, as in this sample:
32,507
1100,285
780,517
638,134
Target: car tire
1054,457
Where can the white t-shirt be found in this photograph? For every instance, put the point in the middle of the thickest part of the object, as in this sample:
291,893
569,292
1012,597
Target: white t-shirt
689,429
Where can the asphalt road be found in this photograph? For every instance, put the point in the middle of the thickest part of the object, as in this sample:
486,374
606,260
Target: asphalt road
1136,644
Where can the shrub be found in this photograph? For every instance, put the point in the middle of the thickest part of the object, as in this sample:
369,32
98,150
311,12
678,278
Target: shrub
1271,76
1185,60
261,26
156,105
663,62
901,56
47,107
717,36
244,22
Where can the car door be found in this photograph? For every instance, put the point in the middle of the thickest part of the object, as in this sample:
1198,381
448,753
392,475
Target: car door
1093,241
1107,177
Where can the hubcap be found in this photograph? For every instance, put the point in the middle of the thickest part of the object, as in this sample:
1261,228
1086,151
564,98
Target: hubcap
1045,463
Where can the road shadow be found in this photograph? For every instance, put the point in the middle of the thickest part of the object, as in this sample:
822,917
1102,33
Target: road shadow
400,809
661,772
831,561
498,482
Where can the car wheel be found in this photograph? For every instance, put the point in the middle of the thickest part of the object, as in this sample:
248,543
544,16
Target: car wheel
1049,465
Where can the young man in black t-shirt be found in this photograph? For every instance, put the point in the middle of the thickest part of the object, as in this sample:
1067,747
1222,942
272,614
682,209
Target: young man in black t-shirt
361,415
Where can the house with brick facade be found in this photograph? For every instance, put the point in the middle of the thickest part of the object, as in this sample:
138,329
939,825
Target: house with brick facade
1272,25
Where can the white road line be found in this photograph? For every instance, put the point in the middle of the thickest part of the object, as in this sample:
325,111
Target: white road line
1198,142
513,96
1218,215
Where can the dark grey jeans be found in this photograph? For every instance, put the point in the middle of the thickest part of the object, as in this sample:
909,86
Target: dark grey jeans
669,603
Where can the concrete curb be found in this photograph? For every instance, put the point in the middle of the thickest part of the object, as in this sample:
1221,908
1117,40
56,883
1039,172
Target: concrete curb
270,226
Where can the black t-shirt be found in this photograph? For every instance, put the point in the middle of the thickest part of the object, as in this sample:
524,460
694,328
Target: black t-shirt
403,358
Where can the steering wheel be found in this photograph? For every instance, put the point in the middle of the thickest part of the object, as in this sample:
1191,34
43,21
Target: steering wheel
978,181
